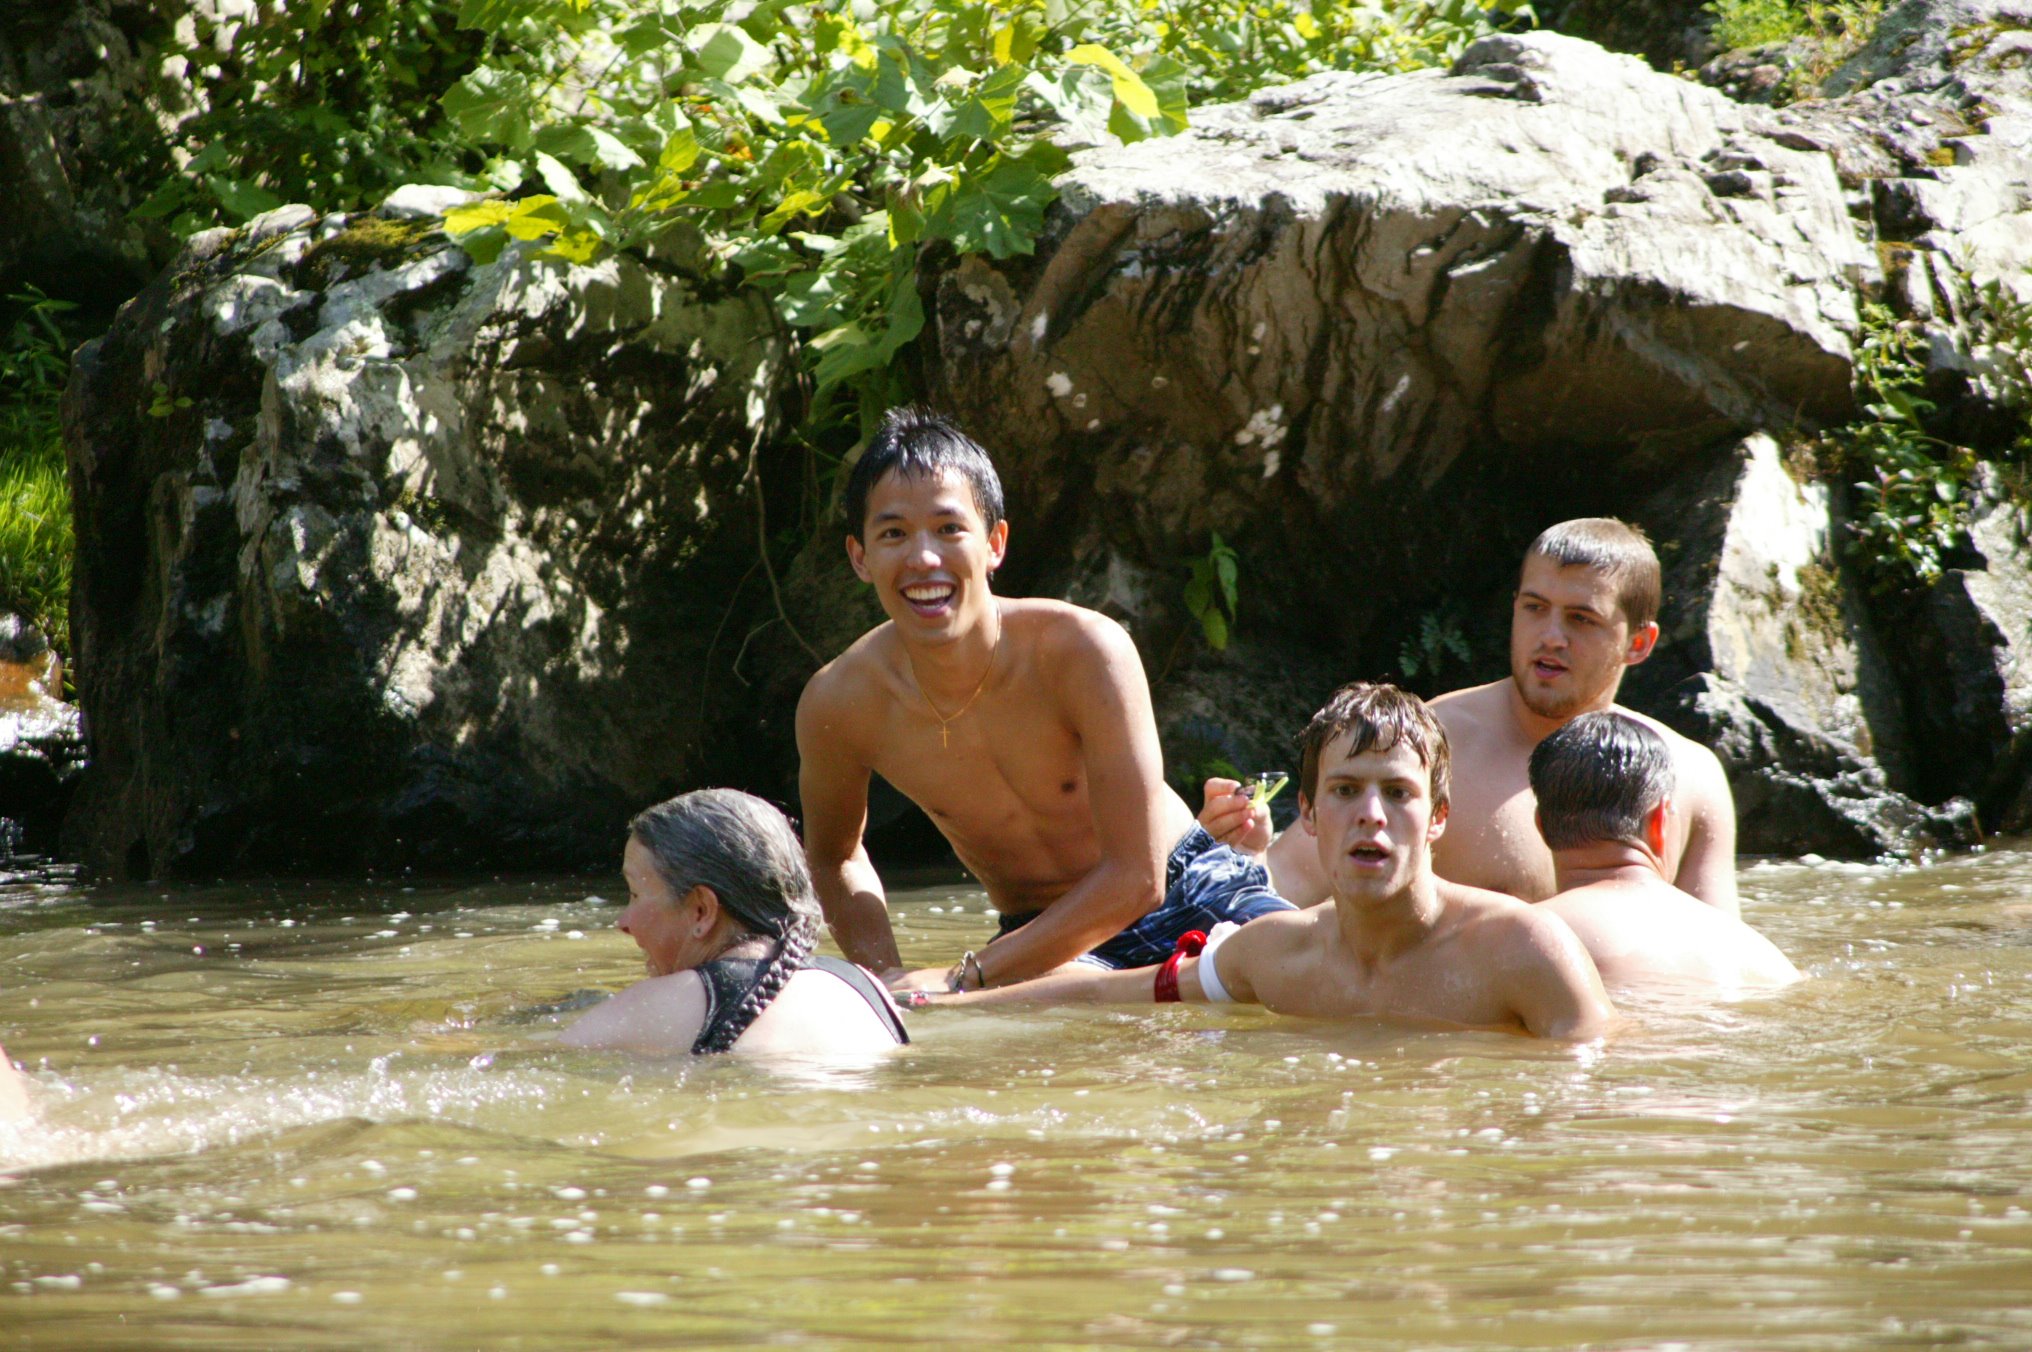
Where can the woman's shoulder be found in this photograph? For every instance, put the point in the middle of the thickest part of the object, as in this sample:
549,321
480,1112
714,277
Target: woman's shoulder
657,1014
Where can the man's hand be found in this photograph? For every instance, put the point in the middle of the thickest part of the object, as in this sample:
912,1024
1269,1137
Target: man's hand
1234,818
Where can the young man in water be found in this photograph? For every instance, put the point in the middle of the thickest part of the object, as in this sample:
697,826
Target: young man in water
1586,610
1604,789
1023,728
1393,944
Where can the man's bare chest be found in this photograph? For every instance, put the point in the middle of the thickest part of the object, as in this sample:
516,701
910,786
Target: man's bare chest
989,768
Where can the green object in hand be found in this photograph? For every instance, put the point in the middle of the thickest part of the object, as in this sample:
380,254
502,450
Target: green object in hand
1264,785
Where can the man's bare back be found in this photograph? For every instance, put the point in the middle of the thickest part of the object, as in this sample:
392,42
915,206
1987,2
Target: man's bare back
1643,932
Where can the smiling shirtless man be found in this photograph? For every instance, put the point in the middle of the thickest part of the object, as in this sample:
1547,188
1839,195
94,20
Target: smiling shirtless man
1022,727
1393,944
1586,610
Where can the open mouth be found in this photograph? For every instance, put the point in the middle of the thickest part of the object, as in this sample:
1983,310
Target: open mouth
1545,669
1371,855
929,598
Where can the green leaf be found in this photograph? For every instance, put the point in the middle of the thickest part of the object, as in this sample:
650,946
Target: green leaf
537,218
587,145
560,180
986,115
241,200
805,203
490,106
473,216
998,213
723,51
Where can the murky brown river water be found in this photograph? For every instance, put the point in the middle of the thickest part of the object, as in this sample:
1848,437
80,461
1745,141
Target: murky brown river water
319,1116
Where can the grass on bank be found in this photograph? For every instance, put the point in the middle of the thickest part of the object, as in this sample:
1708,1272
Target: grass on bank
36,545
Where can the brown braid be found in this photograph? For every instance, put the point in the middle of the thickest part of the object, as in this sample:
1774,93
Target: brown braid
793,949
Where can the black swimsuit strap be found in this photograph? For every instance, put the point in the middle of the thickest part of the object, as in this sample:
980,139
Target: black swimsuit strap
727,983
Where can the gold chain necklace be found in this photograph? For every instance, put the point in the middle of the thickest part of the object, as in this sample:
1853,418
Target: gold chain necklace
944,740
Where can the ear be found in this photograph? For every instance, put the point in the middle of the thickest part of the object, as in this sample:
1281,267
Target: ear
1305,814
1643,642
1655,827
701,910
858,557
1538,823
998,543
1437,826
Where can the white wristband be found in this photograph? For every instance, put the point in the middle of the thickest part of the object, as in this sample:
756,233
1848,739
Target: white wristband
1210,979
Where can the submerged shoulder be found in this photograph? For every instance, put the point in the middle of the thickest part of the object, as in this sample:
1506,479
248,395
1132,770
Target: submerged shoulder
657,1014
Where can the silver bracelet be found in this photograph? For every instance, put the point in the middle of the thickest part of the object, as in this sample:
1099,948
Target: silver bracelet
971,961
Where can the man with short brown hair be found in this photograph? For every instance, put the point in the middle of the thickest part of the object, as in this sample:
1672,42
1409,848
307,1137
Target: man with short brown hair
1393,943
1585,610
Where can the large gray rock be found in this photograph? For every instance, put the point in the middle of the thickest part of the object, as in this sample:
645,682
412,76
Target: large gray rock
1965,658
1769,656
387,559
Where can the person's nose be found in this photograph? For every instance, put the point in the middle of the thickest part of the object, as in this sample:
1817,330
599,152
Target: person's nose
924,552
1369,808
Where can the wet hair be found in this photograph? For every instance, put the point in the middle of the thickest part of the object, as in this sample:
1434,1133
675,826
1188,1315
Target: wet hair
1376,717
747,853
1615,549
917,443
1597,779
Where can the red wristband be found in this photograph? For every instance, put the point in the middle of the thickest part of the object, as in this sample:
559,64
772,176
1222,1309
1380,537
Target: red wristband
1189,945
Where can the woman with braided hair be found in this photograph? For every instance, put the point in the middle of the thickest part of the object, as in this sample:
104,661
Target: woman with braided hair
722,907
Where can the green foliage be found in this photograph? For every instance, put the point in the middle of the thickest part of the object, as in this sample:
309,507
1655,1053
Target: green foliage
1826,32
820,148
1211,593
35,507
1912,487
1438,644
330,102
1228,49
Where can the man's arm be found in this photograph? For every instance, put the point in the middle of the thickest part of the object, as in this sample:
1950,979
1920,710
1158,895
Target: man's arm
832,785
1554,988
1707,869
1236,960
1102,688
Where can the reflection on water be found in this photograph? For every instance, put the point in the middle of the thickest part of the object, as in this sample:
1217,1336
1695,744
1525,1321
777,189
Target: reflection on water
333,1116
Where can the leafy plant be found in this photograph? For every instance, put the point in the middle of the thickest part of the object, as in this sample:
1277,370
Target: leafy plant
1823,34
1211,593
35,509
329,102
1438,643
1913,487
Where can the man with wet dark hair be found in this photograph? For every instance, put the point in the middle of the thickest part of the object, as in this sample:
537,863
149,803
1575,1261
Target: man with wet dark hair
1585,611
1022,728
1603,785
1394,943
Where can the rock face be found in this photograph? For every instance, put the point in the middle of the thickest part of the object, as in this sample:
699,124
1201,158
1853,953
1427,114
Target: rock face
391,560
444,563
78,80
1771,659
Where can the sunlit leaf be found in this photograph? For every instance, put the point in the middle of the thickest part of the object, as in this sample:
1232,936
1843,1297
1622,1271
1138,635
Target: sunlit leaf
491,107
723,51
463,220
